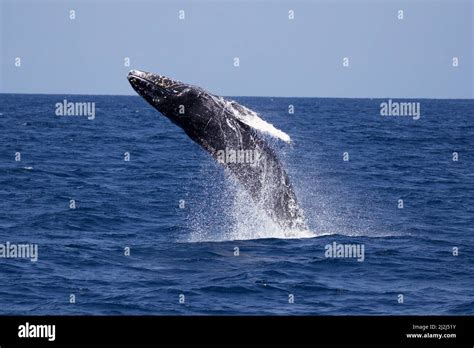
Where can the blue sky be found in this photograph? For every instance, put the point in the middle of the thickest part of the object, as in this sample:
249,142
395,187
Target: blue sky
303,57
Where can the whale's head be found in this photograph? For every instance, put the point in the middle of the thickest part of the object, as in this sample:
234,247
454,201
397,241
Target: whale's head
170,97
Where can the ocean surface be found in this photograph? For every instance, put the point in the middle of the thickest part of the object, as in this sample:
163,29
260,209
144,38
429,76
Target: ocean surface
197,244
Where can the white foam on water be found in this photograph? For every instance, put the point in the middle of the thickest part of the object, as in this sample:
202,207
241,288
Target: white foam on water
239,217
251,222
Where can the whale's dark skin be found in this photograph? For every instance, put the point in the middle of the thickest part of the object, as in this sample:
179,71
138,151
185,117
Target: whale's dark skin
210,121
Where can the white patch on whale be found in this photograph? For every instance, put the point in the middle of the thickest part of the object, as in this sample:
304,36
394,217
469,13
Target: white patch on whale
252,119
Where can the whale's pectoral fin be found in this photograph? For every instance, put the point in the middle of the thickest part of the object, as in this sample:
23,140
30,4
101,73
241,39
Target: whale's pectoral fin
253,120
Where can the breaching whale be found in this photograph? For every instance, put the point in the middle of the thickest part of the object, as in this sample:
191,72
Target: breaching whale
230,133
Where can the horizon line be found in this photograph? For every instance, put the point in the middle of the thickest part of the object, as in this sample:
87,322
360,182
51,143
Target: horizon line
246,96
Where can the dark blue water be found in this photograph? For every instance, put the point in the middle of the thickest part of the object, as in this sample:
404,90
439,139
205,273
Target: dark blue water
190,251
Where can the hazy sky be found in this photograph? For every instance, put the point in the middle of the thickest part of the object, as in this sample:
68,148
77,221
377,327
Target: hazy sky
388,57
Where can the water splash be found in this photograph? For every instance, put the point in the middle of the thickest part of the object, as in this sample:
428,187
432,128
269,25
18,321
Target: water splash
249,221
226,212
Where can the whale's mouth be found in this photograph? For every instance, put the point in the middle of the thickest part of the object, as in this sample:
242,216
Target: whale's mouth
153,87
156,80
141,80
137,75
